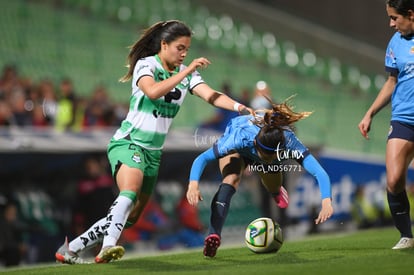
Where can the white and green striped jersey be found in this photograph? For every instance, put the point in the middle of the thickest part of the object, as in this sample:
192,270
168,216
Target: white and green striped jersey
148,121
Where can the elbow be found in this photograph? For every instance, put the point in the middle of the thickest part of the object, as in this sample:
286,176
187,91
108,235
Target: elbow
153,96
213,98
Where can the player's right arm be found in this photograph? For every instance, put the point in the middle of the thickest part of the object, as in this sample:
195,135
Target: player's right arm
155,90
383,98
193,191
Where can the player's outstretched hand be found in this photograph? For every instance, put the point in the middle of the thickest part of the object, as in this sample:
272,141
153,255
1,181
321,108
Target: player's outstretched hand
193,193
364,126
246,111
326,211
199,63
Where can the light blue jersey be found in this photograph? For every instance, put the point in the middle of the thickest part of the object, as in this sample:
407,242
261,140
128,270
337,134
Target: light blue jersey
399,59
239,137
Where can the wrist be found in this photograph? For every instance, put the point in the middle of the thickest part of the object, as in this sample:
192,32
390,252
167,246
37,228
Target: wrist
237,107
193,184
327,201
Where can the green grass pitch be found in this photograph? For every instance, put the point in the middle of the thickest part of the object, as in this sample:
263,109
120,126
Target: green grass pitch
361,252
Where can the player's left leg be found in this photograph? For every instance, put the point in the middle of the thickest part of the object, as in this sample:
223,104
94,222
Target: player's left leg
129,181
273,183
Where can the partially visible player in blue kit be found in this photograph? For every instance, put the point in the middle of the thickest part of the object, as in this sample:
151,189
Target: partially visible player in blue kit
262,140
399,90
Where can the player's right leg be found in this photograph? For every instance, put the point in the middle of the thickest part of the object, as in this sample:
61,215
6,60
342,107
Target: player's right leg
220,206
231,168
399,153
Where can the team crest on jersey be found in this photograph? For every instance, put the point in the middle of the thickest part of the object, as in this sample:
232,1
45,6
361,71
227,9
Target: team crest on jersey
136,157
185,82
412,50
390,130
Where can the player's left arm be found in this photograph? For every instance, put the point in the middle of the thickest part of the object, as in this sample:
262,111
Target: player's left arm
313,167
219,99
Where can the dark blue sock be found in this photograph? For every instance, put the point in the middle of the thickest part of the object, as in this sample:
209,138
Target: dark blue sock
219,207
400,211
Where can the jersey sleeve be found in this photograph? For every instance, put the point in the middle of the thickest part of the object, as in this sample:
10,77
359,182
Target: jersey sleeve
233,140
200,163
297,151
144,67
195,80
390,60
312,166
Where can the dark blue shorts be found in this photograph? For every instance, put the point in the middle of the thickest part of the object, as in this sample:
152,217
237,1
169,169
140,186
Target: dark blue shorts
401,130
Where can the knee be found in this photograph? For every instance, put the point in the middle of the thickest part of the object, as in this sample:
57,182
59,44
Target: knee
232,180
395,183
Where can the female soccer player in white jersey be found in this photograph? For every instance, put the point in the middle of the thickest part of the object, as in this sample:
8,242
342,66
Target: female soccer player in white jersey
160,82
263,141
399,89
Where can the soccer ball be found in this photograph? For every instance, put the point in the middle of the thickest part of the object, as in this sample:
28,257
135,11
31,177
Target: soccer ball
263,235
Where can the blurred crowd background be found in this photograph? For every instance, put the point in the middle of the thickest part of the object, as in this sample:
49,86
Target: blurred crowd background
60,102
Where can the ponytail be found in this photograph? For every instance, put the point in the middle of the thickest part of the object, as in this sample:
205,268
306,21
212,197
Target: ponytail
149,43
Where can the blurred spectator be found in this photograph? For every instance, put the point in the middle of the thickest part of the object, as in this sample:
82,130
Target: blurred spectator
6,115
12,246
190,231
95,189
13,91
152,222
40,105
99,110
259,101
184,228
38,118
66,107
37,211
48,96
410,195
369,208
21,115
9,81
245,96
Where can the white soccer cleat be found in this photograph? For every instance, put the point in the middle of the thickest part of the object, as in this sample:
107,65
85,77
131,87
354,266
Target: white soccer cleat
65,256
404,243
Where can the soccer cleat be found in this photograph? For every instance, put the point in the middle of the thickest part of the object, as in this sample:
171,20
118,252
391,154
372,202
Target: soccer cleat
65,256
211,243
404,243
110,253
282,199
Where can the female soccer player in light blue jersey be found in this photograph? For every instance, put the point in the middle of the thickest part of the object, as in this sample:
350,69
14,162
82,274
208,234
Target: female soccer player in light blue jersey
259,141
160,82
399,89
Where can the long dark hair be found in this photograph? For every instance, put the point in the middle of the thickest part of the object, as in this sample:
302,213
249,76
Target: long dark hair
274,121
401,6
150,42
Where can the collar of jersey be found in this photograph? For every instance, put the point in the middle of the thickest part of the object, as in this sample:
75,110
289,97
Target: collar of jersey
165,71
